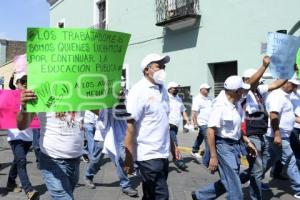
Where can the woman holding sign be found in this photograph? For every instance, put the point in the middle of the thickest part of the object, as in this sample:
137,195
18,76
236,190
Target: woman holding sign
20,142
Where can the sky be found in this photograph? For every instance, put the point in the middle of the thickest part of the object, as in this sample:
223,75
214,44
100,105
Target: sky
17,15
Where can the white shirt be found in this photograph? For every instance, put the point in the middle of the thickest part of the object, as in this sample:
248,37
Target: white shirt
226,117
176,110
113,131
61,138
16,134
295,99
90,117
279,101
202,105
148,105
252,105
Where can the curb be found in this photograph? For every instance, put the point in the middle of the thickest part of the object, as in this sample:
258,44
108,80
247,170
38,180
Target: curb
188,150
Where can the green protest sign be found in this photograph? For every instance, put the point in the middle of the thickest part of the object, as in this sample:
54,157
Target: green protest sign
74,69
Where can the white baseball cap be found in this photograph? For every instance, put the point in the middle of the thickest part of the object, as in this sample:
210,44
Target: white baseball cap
249,72
172,84
294,81
20,74
235,82
153,57
204,85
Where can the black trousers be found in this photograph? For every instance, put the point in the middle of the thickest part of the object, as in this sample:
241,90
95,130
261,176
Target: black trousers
154,174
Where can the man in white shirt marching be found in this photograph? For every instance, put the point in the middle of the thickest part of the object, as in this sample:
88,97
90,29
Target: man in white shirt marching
294,137
61,144
177,111
224,137
201,108
148,140
282,119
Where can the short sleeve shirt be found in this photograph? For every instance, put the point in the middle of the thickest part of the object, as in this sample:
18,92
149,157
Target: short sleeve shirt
252,105
148,105
227,118
202,105
61,137
295,99
176,110
279,101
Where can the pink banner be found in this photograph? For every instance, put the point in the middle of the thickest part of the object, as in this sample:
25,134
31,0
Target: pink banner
9,108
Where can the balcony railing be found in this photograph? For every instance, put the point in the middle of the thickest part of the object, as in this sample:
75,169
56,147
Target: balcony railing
169,11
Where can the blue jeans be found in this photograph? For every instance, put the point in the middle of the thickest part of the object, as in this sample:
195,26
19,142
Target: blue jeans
255,172
36,143
295,142
202,135
93,166
60,176
154,174
89,130
228,153
173,133
20,149
95,163
285,154
119,163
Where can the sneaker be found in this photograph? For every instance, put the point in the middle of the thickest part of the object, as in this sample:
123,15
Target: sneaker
85,158
13,188
196,155
33,195
180,164
297,196
130,192
265,187
89,183
194,195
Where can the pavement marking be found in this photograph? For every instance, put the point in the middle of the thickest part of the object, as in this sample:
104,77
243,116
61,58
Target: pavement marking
188,150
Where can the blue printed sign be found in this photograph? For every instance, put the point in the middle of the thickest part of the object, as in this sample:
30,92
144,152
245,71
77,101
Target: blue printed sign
282,49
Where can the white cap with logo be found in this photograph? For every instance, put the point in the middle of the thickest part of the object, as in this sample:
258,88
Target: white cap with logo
173,85
153,57
235,83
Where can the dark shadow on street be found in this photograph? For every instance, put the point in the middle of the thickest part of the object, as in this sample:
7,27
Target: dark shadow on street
113,184
4,165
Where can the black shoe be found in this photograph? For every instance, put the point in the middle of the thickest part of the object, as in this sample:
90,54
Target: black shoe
13,187
194,195
279,177
130,192
180,164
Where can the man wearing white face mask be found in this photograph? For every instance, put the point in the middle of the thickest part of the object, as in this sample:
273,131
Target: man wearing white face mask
147,139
